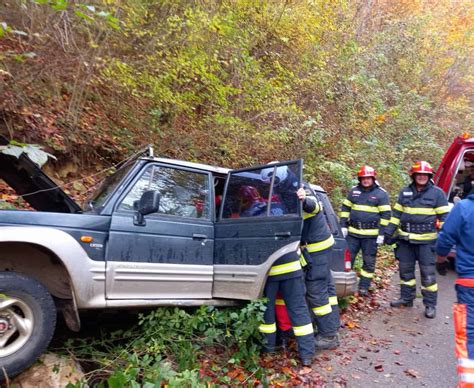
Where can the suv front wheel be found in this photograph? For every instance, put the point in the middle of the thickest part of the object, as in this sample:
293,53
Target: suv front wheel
27,322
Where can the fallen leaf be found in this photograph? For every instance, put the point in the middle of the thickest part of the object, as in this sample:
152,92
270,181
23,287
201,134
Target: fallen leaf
305,370
412,373
397,352
378,367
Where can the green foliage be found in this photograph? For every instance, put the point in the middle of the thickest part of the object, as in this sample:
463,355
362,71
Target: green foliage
239,82
169,346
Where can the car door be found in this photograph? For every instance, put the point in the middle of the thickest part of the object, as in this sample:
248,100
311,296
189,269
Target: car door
260,220
171,255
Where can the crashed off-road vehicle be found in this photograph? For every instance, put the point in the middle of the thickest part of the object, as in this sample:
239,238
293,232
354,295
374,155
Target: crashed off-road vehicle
157,232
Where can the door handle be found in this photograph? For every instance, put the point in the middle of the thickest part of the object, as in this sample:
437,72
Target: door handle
197,236
282,235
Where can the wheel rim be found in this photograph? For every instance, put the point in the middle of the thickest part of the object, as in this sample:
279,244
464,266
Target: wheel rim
16,325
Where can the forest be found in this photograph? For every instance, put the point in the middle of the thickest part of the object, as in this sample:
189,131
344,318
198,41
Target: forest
231,83
238,82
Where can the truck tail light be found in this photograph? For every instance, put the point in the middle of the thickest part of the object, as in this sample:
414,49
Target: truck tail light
347,260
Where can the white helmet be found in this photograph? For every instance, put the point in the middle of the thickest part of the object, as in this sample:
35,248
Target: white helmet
281,174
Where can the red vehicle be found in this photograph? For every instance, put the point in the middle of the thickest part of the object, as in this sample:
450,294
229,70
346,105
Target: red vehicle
456,171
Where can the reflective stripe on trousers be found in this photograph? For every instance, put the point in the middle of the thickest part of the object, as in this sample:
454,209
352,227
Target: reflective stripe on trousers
463,316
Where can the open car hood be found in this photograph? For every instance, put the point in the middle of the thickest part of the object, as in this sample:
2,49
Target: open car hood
33,185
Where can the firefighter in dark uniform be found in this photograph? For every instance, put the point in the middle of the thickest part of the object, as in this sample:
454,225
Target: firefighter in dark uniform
316,244
420,209
364,215
286,276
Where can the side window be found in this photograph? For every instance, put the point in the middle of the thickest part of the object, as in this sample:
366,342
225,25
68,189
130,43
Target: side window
250,192
462,184
182,193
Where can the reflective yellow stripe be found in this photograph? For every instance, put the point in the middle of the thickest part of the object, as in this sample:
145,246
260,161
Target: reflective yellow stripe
366,274
398,207
365,208
308,215
323,310
441,209
303,330
432,288
333,300
321,245
344,214
384,208
303,261
419,210
410,283
268,329
395,221
384,222
364,232
419,236
279,302
285,268
347,203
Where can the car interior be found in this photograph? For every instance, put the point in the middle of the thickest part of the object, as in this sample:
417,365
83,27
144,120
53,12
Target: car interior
462,184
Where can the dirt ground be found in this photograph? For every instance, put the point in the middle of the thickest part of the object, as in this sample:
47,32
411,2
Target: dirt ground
395,347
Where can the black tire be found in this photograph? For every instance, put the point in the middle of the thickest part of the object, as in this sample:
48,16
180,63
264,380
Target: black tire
35,299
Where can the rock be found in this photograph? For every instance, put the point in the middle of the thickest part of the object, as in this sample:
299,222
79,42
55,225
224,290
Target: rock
51,370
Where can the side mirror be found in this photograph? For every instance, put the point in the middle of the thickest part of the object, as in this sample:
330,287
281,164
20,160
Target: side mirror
148,203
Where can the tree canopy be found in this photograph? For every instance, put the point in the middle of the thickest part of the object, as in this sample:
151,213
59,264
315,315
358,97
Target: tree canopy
239,82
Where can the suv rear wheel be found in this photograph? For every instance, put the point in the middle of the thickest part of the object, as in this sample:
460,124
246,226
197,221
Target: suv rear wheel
27,322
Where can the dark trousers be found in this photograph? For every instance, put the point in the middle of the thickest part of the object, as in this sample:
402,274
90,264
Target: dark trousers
463,314
369,252
335,315
318,280
293,292
408,254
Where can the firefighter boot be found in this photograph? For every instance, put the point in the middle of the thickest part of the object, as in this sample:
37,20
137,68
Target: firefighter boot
327,342
363,292
430,312
307,361
401,303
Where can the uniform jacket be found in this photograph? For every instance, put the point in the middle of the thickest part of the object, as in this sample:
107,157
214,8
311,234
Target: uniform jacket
416,212
459,230
316,234
365,212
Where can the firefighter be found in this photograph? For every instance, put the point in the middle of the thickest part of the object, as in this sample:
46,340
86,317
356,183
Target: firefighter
286,276
458,230
317,242
420,208
364,215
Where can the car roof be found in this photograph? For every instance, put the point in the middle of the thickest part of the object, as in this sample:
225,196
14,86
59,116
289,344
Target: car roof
317,188
198,166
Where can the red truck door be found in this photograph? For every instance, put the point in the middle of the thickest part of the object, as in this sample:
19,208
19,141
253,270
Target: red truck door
456,169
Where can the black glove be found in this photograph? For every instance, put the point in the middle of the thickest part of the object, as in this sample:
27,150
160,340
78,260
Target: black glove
442,268
389,240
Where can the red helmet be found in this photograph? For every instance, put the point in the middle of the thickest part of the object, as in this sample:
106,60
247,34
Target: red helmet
421,167
366,171
249,195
